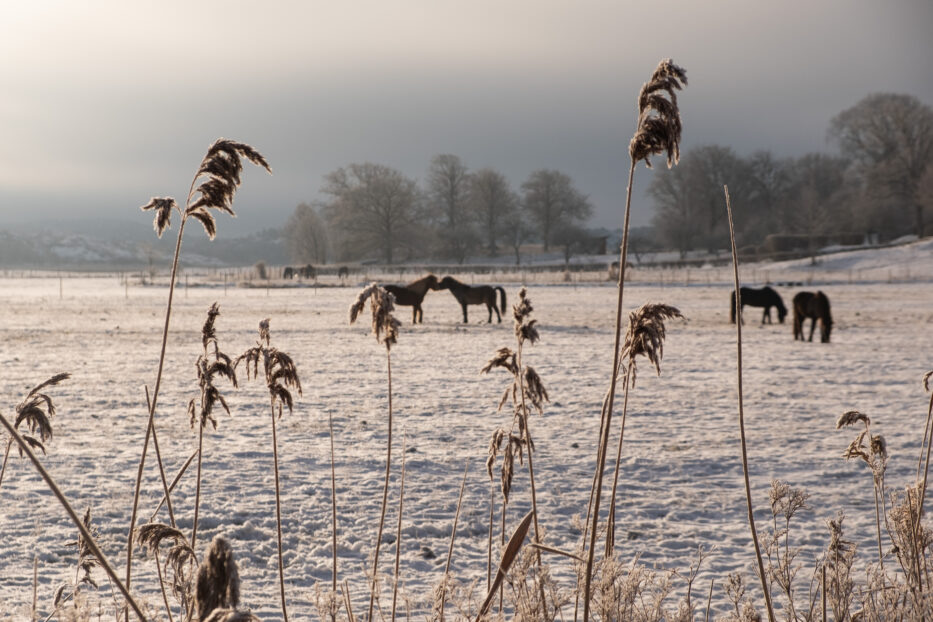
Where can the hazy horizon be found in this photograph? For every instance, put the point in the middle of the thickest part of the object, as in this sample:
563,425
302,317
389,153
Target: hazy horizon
110,103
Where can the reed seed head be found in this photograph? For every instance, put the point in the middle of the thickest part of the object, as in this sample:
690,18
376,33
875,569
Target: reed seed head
209,366
87,561
218,582
659,124
646,332
220,169
525,329
230,615
163,207
851,417
279,368
36,411
926,381
382,304
534,389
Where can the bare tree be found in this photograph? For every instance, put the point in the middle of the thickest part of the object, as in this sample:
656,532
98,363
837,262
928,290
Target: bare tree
676,217
306,236
449,195
493,202
552,202
515,233
890,138
373,207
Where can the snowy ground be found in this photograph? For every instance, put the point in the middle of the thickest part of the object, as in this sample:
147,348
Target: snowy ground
681,485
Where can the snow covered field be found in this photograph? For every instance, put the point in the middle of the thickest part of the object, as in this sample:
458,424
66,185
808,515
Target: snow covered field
681,483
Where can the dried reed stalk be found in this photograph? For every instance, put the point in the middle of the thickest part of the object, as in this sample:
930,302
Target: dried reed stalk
398,533
644,336
450,548
658,130
385,328
88,538
219,171
333,497
210,364
748,487
280,375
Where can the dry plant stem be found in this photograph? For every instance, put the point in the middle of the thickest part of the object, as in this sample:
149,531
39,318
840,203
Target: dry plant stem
333,496
748,487
398,533
150,425
175,481
6,455
709,599
611,530
197,491
607,419
492,508
385,492
929,437
346,597
88,538
450,549
278,509
168,609
531,472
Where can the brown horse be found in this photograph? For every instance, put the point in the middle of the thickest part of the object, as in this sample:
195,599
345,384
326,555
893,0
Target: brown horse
413,294
764,297
816,307
469,295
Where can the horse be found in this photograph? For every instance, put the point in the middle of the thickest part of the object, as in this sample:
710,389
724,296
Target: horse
469,295
342,273
288,273
764,297
412,295
816,307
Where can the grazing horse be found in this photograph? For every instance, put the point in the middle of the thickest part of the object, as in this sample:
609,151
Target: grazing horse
412,295
816,307
343,272
288,273
468,295
764,297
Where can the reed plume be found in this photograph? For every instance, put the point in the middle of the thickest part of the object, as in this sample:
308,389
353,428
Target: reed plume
218,581
526,389
280,375
875,455
211,363
644,337
658,130
385,328
181,559
219,177
35,412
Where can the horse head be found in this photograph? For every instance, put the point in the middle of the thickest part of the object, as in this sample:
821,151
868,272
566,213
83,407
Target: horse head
432,282
445,283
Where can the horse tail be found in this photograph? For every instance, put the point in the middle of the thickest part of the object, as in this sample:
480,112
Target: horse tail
501,298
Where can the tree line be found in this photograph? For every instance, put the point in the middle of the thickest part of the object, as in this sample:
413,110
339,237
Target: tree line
374,212
879,185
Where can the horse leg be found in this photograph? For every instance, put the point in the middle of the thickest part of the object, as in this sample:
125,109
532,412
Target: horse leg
798,327
420,314
812,326
464,307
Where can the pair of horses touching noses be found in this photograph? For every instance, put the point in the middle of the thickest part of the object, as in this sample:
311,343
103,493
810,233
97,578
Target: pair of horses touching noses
412,295
806,305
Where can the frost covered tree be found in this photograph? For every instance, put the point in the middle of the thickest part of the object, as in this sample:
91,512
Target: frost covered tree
890,138
374,209
448,190
493,203
552,202
306,236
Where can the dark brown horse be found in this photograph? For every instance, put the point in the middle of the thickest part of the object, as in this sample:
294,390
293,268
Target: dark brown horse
816,307
470,295
764,297
413,294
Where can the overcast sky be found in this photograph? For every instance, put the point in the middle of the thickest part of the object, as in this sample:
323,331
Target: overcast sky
106,103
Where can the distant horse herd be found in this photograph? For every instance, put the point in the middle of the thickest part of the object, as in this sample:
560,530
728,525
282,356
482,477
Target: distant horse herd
807,305
412,295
